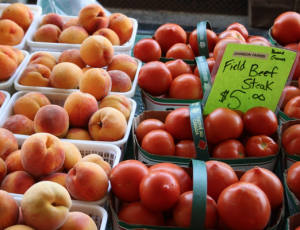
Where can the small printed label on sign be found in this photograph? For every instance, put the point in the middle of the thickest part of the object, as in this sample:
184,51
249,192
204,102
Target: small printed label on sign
250,76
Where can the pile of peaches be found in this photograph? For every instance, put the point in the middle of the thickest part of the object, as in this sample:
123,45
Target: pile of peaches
92,20
15,21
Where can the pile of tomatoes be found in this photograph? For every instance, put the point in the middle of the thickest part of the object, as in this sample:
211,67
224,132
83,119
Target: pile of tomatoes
292,179
162,195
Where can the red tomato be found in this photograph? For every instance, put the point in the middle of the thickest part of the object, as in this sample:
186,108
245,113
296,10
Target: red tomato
183,178
291,140
178,67
182,211
298,228
260,121
146,126
266,181
286,28
125,179
155,78
221,46
159,190
288,93
261,146
147,50
178,124
229,149
159,142
186,86
180,51
296,74
222,124
231,33
292,108
259,43
240,28
137,213
257,38
169,34
293,179
292,46
210,63
185,148
212,40
244,206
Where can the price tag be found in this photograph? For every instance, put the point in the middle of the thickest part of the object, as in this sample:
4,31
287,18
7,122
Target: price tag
250,76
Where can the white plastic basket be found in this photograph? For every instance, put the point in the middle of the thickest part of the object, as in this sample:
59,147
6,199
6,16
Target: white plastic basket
8,84
97,213
37,12
56,55
59,47
59,99
7,97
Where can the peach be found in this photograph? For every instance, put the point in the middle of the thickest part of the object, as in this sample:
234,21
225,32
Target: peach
42,154
19,227
73,35
97,159
30,103
59,178
72,155
120,80
20,14
9,212
8,142
45,205
54,19
87,181
13,162
119,102
11,33
110,35
107,124
80,107
96,82
43,58
125,63
35,75
122,25
51,119
17,182
9,62
2,98
47,33
19,124
97,51
71,22
78,134
65,75
92,17
78,221
20,55
3,170
73,56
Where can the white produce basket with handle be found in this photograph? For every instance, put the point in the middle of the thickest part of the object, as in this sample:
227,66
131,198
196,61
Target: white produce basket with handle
4,104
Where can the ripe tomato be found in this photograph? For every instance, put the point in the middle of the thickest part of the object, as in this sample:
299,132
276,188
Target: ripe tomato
180,51
212,40
125,179
185,148
292,108
298,228
261,146
147,50
244,206
229,149
286,28
219,176
292,46
290,138
288,93
186,86
182,211
185,182
293,179
146,126
155,78
260,121
178,124
222,124
266,181
159,190
169,34
240,28
137,213
221,46
259,43
210,63
178,67
231,33
257,38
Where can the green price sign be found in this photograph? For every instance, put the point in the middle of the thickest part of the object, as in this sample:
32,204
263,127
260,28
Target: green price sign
250,76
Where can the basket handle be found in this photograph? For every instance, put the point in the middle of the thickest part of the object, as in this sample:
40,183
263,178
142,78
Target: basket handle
204,73
202,38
